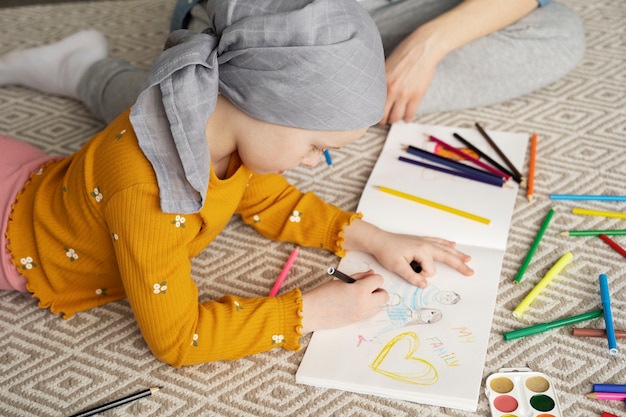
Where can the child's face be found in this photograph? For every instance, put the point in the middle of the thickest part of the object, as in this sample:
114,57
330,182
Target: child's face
275,149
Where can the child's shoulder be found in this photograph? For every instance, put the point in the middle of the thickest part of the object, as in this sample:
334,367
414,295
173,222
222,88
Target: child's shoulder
114,155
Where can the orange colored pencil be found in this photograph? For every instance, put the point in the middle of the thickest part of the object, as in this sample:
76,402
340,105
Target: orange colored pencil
531,168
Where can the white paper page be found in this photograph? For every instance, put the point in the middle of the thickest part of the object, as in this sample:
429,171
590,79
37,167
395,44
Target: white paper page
400,215
439,363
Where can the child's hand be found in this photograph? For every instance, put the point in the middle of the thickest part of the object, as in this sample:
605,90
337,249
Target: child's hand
395,252
337,304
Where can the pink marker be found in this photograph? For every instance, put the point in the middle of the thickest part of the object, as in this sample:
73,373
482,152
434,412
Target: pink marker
284,272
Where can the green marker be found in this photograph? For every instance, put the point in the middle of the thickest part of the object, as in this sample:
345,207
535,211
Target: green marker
540,328
533,248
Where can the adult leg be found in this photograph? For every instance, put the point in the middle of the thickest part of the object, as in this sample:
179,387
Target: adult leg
55,68
529,54
111,85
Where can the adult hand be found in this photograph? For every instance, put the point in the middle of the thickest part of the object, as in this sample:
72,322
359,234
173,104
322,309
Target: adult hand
410,69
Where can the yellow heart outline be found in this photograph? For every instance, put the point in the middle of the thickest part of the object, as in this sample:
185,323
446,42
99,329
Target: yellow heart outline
430,375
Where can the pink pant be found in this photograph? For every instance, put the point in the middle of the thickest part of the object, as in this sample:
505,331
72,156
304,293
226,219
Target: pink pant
17,161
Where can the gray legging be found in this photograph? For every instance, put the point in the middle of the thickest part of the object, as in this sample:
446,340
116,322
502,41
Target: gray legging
525,56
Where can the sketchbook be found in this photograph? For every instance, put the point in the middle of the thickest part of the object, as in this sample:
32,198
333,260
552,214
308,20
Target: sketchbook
429,345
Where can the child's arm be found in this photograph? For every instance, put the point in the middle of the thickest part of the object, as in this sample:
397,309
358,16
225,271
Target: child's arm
279,211
153,251
287,214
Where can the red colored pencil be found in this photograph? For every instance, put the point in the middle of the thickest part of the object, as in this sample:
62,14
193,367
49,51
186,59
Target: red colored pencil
613,244
470,158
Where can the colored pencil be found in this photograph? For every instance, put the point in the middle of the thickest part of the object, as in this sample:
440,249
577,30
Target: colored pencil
338,274
587,212
587,332
541,285
450,163
612,232
470,158
621,388
543,327
329,160
284,272
616,396
533,248
613,244
498,182
486,157
607,414
608,316
585,197
531,168
499,151
435,205
117,403
441,151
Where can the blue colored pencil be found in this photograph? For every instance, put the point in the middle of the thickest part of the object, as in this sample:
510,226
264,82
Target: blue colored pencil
498,182
608,316
449,162
618,388
587,197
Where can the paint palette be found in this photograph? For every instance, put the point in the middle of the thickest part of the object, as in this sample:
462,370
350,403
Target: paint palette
520,392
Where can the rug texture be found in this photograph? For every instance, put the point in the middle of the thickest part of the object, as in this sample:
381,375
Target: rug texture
53,367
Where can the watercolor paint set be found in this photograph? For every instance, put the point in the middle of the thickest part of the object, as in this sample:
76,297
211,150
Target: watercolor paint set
520,392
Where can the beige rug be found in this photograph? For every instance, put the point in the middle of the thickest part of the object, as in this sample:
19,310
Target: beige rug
52,367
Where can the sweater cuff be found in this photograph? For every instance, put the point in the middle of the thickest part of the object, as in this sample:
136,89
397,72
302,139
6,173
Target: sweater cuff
343,220
292,320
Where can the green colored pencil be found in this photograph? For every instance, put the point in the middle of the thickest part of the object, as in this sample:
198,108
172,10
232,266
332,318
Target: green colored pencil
593,232
533,248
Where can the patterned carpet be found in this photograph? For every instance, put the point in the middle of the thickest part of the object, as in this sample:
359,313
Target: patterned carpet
52,367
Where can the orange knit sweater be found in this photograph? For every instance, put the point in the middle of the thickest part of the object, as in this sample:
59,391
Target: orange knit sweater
88,230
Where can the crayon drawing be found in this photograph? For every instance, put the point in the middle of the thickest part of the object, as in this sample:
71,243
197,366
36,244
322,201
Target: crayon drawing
413,369
427,345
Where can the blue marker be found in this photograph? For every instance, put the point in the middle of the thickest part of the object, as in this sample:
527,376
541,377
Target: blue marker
329,160
608,316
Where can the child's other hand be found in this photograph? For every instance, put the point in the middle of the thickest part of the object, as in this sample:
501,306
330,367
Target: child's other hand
336,304
395,252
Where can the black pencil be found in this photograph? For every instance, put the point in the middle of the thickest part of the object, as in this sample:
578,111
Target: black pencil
487,158
117,403
338,274
497,149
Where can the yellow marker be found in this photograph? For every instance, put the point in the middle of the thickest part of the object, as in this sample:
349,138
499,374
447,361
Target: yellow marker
547,278
588,212
435,205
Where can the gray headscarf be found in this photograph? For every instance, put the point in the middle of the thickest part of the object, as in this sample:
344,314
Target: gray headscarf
310,64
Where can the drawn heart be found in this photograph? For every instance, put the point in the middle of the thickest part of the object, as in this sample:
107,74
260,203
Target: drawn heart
405,367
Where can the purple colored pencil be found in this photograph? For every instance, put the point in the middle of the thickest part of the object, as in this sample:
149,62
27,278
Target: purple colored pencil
498,182
450,163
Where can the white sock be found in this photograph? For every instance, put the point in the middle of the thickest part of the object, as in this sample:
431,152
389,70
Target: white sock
56,68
